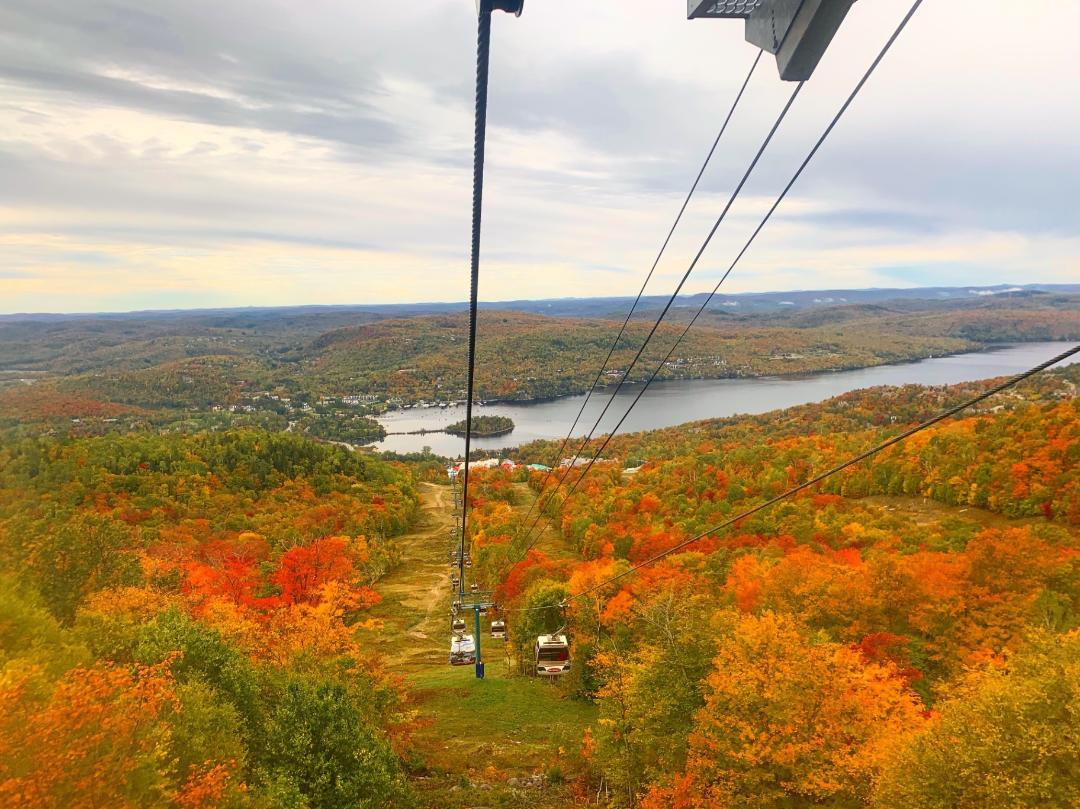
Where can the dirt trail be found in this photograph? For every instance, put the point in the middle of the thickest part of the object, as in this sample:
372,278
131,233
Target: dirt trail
486,732
416,594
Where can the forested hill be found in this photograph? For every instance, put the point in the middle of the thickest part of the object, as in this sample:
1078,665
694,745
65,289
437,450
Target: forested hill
858,645
177,613
306,318
277,366
531,356
248,619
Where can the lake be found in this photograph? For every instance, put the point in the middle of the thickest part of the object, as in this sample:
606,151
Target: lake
666,404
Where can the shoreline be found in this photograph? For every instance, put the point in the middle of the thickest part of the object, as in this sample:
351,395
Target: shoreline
983,365
475,434
984,348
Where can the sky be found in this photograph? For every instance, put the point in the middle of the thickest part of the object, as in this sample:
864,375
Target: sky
165,154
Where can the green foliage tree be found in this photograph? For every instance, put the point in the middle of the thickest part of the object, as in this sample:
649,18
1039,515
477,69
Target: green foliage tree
205,729
205,657
78,555
483,425
29,632
544,615
651,694
651,681
319,741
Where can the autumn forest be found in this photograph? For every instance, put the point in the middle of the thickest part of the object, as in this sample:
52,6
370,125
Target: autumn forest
208,598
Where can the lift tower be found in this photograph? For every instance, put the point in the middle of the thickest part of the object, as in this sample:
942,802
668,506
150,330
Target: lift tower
797,32
479,602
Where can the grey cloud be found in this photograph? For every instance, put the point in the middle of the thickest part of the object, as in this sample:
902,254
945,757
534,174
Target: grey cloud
357,126
270,78
904,163
888,219
977,186
324,83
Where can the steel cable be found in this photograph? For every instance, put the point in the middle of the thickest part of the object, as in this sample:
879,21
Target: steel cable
783,194
674,295
483,50
862,456
648,277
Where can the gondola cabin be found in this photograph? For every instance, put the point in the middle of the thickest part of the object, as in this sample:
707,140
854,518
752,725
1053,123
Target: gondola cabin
552,655
498,629
457,625
462,650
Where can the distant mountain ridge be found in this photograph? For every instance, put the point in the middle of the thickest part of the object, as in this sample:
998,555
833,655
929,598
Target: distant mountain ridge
743,302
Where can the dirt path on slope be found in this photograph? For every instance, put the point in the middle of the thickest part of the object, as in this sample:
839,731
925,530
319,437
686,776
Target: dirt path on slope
416,594
477,737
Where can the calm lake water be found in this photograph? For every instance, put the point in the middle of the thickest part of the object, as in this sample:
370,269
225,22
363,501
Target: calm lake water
666,404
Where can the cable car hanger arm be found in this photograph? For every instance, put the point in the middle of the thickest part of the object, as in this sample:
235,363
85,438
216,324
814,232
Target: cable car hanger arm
510,6
797,32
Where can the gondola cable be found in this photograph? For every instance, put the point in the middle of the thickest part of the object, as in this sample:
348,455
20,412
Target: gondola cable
674,295
483,53
768,215
783,194
862,456
478,601
648,277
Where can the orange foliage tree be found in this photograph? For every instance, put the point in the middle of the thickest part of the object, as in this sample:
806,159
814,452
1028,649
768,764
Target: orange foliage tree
94,739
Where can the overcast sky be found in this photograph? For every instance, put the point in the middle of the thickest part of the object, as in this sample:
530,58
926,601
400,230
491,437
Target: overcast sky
193,153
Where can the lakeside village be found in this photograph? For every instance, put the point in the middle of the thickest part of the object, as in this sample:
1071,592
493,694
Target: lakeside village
265,400
455,469
302,403
374,404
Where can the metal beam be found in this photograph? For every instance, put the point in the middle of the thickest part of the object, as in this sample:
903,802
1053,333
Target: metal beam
479,661
797,31
768,27
514,7
720,9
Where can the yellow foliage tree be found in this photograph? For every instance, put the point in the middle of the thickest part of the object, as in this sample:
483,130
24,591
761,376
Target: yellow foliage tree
790,719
